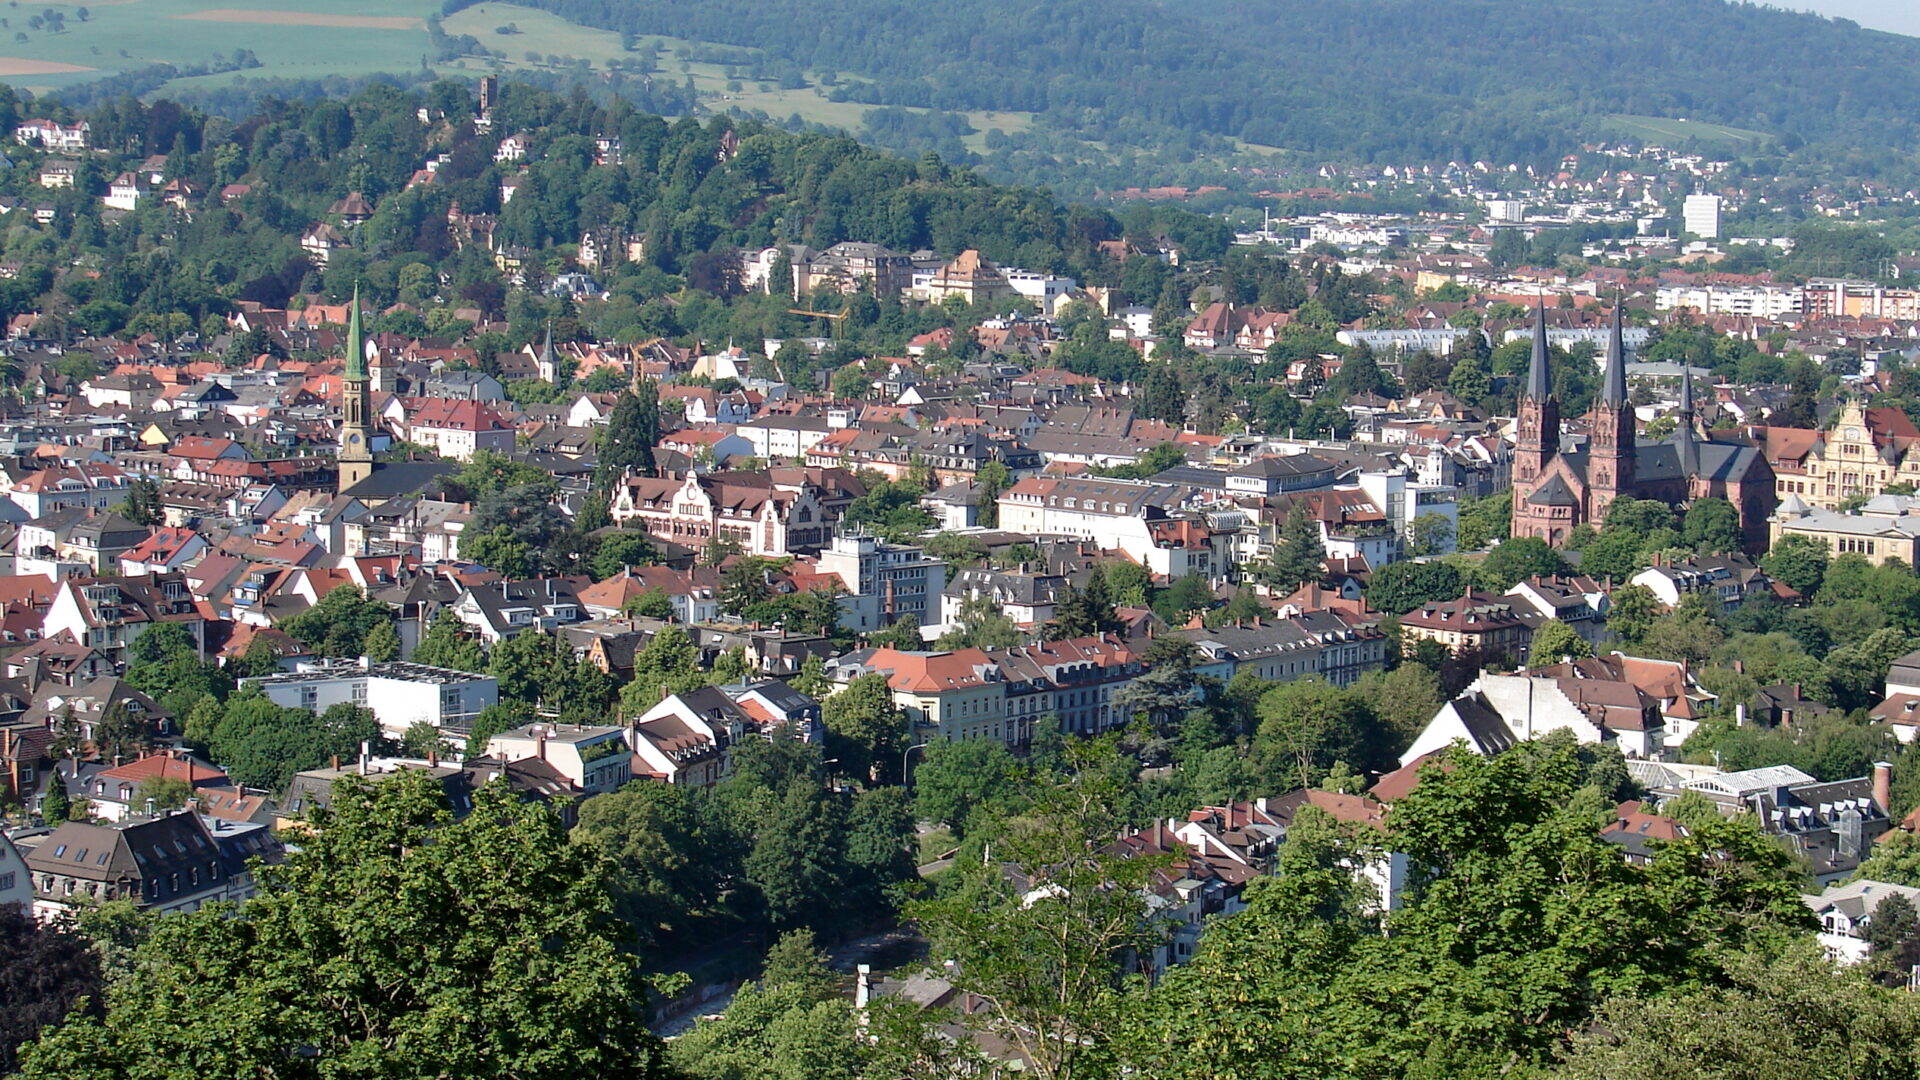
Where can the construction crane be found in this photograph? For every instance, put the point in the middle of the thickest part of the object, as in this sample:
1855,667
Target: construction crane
838,318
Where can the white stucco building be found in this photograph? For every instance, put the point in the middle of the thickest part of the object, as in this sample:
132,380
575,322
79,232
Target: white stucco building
401,694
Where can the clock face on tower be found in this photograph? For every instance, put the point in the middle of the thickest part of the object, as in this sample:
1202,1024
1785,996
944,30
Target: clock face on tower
353,440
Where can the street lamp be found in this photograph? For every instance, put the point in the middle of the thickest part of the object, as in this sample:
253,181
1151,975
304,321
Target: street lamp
905,777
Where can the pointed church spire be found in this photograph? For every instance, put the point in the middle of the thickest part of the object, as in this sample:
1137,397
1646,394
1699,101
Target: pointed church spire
356,440
1613,386
546,349
1689,447
356,349
1539,384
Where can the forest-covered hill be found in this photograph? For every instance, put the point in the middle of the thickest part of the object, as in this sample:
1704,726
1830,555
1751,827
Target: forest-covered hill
1372,80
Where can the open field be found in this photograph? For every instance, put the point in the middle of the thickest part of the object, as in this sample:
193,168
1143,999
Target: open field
537,31
306,18
14,65
1657,129
292,38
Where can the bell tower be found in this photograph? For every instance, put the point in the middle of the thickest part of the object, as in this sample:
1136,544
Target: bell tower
1538,426
356,447
1611,472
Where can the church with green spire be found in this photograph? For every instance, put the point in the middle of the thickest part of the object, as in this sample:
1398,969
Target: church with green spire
374,483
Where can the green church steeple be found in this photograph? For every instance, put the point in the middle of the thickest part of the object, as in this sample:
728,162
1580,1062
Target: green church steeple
356,348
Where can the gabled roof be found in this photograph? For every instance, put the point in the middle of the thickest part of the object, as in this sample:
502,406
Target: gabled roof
934,672
187,769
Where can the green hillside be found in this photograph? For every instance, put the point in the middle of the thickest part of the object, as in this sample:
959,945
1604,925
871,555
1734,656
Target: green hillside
1080,98
1373,80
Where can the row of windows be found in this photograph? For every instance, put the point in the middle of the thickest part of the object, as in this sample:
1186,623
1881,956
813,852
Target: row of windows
1853,545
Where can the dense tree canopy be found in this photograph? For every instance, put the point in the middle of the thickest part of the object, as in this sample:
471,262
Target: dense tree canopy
1524,923
396,942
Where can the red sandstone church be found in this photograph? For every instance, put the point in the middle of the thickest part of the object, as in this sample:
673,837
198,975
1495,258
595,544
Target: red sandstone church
1560,483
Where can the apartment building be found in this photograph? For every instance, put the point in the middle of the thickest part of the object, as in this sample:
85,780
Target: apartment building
885,582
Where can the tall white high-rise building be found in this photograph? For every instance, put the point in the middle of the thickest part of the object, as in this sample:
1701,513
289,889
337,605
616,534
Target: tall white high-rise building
1702,215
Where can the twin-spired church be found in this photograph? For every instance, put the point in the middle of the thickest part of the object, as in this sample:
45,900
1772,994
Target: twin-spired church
1560,481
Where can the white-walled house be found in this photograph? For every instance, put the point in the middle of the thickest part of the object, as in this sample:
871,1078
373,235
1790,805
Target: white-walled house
15,885
1846,911
595,757
885,582
1497,712
684,739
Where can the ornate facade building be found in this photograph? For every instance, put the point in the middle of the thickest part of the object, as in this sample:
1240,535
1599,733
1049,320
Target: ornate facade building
1864,449
763,518
1559,483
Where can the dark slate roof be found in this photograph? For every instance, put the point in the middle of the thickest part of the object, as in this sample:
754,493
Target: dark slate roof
1613,373
1005,586
143,850
1554,492
1718,461
1484,725
1539,385
394,478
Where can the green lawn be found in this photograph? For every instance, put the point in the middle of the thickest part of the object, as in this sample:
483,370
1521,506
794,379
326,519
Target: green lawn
1660,129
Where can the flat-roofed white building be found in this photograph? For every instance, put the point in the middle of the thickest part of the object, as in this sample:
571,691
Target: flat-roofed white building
401,694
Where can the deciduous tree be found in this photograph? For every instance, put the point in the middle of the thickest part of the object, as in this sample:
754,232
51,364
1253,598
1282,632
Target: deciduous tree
396,942
665,871
1520,558
449,644
1049,957
865,729
957,778
1555,641
338,625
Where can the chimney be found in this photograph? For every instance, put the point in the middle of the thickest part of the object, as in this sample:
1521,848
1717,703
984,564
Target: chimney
433,757
540,744
336,762
1739,667
1883,786
1740,715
